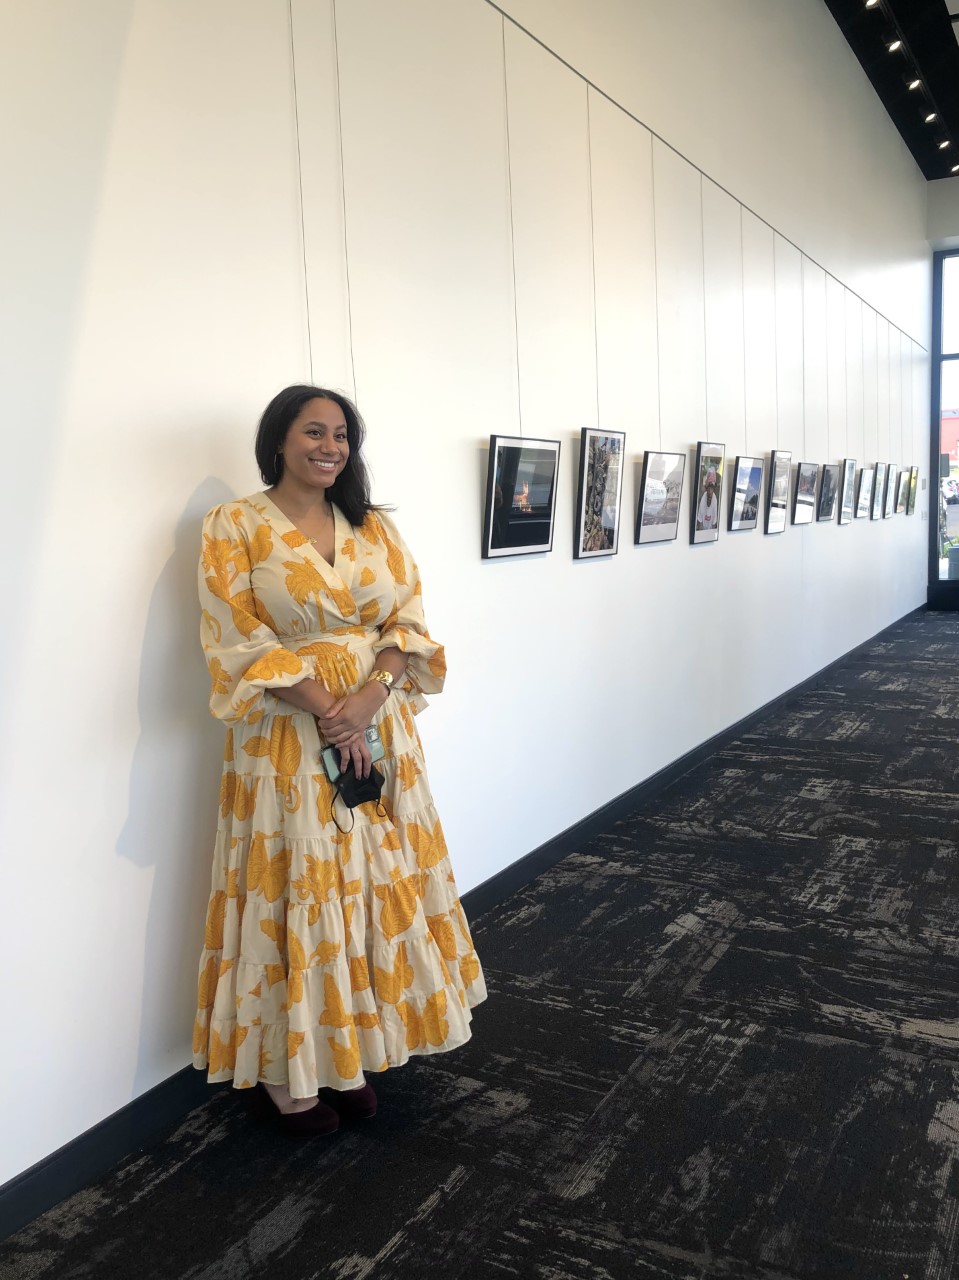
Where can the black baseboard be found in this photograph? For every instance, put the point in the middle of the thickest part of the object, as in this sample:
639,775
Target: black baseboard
95,1152
90,1155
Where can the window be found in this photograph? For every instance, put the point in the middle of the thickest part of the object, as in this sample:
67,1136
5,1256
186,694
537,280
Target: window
945,400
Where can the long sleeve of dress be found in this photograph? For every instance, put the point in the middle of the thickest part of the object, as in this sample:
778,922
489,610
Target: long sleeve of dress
243,654
405,626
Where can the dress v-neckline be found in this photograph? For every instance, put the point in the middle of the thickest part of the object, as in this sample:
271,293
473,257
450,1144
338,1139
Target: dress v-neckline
308,547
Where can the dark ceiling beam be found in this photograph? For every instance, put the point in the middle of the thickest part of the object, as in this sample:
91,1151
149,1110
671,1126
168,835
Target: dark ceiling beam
925,27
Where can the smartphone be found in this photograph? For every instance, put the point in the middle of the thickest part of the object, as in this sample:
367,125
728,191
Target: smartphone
331,755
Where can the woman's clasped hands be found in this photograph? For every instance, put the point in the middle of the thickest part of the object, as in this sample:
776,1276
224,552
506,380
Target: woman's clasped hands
344,725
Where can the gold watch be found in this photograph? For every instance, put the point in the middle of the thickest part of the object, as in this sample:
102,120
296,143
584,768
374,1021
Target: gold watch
381,677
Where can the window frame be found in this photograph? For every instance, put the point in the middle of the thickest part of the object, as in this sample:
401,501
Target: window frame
943,593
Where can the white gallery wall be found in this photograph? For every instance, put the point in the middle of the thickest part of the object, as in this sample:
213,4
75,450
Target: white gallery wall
418,201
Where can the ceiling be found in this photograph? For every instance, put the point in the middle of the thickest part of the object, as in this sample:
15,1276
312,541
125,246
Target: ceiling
928,32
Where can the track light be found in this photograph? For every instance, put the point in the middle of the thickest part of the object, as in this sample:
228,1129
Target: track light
893,45
913,84
954,169
930,117
872,4
944,144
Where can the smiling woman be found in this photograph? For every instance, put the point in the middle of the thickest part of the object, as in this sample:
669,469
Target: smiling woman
330,949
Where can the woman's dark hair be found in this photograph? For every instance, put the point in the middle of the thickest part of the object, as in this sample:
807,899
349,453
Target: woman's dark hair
351,490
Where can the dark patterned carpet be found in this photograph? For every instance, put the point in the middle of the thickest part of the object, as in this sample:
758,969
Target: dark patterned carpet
721,1042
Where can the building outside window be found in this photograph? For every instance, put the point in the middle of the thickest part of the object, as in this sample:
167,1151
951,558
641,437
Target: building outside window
945,399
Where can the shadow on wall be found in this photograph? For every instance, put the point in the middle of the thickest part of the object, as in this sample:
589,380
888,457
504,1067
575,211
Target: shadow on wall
174,781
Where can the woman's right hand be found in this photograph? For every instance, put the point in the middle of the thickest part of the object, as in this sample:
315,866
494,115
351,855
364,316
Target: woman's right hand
356,751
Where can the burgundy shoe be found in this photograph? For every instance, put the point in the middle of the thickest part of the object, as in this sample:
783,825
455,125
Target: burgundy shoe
354,1104
318,1122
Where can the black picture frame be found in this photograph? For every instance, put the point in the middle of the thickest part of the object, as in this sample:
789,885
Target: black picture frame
867,480
745,493
599,493
879,491
660,497
847,491
913,489
889,504
828,491
804,495
707,495
777,491
526,469
902,492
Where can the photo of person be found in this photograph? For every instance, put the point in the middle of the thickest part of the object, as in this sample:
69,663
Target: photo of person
660,489
828,492
804,504
709,481
778,497
744,501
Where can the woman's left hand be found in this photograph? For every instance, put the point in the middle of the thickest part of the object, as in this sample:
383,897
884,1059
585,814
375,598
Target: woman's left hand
350,715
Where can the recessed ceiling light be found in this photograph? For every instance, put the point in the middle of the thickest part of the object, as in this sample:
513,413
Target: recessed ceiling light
945,143
930,117
894,45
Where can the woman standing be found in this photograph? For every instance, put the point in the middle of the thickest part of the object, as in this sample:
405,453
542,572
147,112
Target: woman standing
331,949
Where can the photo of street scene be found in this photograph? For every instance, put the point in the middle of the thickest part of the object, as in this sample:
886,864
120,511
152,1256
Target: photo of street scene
828,492
879,490
867,477
778,501
848,499
744,500
804,505
892,479
660,493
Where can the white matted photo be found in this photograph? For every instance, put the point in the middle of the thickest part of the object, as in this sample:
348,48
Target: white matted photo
520,496
660,493
600,487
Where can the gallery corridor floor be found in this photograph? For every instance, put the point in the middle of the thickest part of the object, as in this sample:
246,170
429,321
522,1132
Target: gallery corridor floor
722,1042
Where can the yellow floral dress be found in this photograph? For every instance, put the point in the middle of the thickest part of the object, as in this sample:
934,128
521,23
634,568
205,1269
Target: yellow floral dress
326,954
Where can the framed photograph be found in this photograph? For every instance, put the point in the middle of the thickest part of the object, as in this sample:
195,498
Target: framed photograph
867,478
879,490
708,479
598,493
847,491
744,493
828,491
520,496
913,486
660,493
804,499
777,495
902,496
889,507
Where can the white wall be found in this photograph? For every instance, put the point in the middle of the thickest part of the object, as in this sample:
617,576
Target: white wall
480,242
943,213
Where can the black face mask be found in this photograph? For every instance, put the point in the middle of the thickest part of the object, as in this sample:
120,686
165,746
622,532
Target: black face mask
353,790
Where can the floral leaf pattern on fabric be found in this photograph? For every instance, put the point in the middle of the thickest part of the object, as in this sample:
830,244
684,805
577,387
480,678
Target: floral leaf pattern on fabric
326,953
